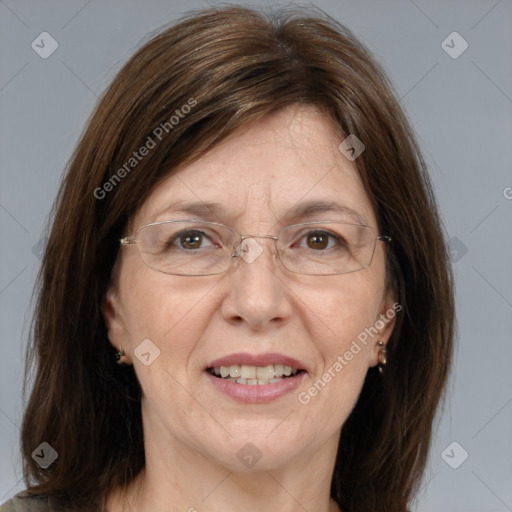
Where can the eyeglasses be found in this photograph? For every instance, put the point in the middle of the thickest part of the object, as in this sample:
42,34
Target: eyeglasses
197,248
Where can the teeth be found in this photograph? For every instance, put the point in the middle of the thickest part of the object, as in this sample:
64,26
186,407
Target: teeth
265,372
234,371
254,375
247,372
254,382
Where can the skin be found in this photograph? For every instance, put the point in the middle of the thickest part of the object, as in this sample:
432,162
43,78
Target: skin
192,433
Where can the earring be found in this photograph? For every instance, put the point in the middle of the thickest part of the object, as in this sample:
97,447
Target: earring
382,356
118,355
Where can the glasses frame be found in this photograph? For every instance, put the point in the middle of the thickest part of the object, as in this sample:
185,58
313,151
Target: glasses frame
132,240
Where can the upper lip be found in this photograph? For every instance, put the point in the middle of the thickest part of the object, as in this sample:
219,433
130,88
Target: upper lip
256,360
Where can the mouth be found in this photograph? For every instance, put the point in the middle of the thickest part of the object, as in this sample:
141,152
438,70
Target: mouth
255,378
250,375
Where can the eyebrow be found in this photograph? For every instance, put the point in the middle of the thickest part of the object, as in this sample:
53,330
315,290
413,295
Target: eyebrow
313,208
202,209
214,211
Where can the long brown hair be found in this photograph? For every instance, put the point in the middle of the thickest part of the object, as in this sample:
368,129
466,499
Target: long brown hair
232,65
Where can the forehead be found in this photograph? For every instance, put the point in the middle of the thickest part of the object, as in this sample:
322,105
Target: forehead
276,168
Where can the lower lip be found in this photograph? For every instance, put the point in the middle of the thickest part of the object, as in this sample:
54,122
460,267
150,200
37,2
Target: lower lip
259,393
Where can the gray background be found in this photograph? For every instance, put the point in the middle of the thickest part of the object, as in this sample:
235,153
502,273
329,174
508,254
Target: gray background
461,109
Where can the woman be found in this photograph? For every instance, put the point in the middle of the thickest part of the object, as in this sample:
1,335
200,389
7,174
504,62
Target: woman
245,301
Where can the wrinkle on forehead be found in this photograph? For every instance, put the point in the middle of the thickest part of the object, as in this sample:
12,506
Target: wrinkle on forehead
265,167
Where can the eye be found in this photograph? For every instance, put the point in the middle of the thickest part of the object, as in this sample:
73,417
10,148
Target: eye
191,239
317,241
321,240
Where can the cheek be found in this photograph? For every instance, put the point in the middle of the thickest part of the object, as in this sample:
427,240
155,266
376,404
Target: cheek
173,321
342,311
150,302
339,319
160,308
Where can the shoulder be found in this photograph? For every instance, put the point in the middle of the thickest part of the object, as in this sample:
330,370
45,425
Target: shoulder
23,502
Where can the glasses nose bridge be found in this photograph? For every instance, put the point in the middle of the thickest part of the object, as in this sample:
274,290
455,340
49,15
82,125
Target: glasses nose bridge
239,249
245,237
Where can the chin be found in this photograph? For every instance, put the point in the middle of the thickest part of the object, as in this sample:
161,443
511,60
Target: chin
257,446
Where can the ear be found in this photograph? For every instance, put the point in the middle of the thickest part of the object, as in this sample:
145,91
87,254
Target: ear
113,317
385,324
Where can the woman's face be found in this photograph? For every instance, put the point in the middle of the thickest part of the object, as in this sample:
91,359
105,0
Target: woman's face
257,313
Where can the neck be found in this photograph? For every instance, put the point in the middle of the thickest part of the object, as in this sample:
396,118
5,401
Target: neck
193,482
250,493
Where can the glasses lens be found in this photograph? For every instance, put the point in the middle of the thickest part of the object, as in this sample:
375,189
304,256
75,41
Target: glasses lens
323,248
186,247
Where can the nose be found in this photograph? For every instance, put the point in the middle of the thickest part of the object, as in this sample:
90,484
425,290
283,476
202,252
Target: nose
257,296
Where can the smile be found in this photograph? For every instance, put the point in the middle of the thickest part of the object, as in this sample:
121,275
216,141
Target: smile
250,378
254,375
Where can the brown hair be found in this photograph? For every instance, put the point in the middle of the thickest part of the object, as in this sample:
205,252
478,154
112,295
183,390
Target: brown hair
232,65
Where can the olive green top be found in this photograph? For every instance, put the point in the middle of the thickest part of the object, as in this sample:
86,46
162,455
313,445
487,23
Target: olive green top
23,503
